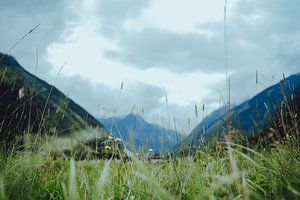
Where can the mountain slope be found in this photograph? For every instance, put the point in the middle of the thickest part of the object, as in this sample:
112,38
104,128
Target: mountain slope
139,134
30,105
254,115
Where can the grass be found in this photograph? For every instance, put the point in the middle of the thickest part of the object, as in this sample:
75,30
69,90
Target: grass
228,172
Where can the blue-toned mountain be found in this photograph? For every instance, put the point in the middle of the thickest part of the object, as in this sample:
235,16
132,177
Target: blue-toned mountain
253,116
141,135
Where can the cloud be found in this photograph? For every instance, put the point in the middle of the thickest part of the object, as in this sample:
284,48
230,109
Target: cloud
258,32
278,16
18,17
186,52
263,36
175,51
113,14
102,100
288,54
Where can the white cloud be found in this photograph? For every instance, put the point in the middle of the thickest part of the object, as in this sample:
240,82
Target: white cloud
179,16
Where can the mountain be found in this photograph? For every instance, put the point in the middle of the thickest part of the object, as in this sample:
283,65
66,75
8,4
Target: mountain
140,135
253,116
31,105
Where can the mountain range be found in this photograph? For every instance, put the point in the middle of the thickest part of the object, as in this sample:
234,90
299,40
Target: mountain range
253,117
140,135
29,105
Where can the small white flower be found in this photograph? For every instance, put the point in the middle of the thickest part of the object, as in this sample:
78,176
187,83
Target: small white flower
107,147
21,93
117,140
110,137
150,150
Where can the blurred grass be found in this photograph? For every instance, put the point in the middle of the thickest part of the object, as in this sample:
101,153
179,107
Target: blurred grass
229,172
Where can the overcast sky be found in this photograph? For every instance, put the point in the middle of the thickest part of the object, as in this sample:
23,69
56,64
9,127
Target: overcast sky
156,48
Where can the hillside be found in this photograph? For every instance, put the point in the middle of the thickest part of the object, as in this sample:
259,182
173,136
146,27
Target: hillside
139,134
31,105
254,116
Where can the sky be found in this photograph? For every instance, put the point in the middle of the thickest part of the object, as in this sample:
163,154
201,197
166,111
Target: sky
169,54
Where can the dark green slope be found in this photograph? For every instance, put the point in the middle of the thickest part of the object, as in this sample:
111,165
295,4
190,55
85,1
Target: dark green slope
30,105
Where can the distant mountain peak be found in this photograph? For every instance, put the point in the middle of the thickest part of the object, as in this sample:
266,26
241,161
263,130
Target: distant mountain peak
135,117
144,134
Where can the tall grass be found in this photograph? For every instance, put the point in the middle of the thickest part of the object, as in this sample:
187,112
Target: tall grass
231,171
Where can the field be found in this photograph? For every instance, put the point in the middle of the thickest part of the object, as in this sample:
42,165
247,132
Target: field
229,172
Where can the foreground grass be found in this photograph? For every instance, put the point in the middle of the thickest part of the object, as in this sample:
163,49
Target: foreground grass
230,172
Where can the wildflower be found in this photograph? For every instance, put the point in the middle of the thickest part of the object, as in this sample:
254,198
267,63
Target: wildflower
117,140
110,137
150,150
21,93
107,147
